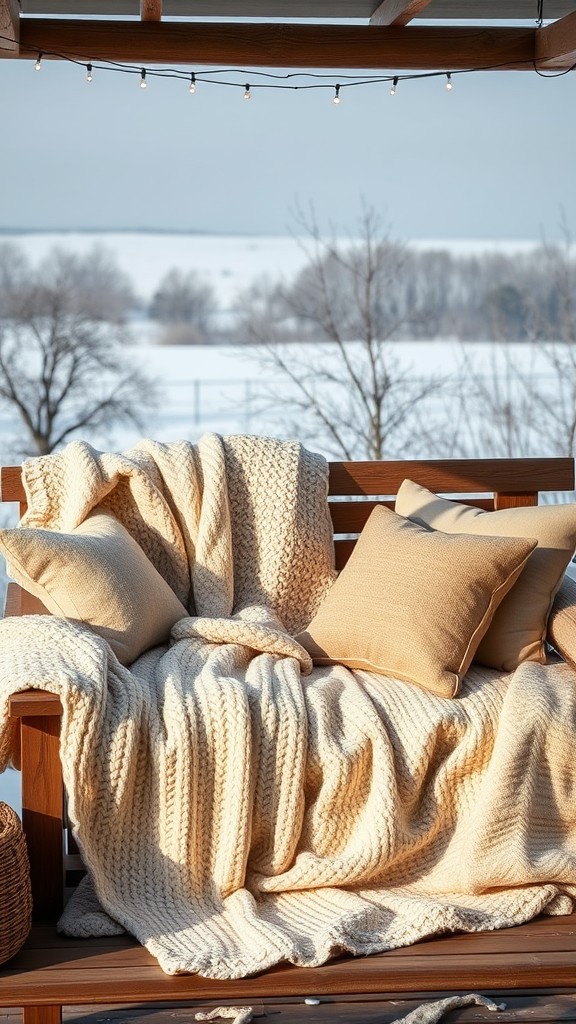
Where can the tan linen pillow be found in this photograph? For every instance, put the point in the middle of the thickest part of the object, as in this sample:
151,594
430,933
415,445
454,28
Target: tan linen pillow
99,575
518,629
414,603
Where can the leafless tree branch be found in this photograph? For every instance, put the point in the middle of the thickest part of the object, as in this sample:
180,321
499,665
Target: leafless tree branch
62,331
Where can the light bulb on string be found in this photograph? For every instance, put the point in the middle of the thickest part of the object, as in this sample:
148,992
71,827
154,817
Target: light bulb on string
191,79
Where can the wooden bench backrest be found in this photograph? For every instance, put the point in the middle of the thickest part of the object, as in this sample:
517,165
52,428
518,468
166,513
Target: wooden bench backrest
355,487
487,483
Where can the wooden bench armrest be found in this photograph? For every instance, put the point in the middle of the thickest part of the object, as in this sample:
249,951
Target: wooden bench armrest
34,704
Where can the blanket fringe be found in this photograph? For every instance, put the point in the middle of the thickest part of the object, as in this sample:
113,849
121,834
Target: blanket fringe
240,1014
429,1013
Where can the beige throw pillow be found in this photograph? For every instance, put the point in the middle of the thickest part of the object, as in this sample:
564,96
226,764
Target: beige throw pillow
414,603
518,630
96,574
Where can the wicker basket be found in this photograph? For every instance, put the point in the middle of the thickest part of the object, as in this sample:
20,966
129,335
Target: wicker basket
15,896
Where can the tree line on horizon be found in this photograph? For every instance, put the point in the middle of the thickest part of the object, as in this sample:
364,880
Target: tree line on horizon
423,295
65,370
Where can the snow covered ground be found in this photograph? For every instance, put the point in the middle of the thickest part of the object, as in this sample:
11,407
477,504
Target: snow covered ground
223,388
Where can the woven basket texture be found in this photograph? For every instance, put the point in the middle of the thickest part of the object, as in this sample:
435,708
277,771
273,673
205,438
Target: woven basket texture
15,895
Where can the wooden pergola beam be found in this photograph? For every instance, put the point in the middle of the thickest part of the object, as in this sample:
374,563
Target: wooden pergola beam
397,12
274,45
151,10
555,47
9,25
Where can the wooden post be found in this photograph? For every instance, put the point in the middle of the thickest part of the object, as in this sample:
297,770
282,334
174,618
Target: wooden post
502,500
151,10
9,25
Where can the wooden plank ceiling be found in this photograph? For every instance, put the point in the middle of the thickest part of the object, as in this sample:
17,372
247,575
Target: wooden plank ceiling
388,35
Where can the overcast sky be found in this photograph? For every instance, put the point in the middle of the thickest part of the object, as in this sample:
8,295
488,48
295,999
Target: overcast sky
493,158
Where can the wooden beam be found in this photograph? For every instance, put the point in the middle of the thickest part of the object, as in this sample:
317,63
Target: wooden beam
556,44
397,12
9,23
274,45
151,10
328,10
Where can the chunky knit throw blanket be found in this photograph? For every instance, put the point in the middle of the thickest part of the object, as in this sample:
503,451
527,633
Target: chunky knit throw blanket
235,809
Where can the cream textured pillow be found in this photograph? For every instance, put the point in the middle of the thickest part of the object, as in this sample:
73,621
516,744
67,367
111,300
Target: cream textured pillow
518,630
99,575
414,603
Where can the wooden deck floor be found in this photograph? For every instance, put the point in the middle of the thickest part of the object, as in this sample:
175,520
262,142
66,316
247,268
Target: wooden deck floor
532,968
533,1007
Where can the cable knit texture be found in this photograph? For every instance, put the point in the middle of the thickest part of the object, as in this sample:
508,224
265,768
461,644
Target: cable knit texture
235,811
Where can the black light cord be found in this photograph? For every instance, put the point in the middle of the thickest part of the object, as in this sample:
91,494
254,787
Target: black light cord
276,80
554,74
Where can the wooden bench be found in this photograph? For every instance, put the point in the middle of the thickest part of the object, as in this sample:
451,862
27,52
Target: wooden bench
536,962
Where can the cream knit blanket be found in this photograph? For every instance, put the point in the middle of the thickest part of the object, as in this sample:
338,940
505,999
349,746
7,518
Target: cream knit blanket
234,811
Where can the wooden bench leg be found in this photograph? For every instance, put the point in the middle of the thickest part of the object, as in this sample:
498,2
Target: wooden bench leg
42,1015
42,813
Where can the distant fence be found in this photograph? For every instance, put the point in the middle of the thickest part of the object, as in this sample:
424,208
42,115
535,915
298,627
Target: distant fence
188,408
193,405
233,403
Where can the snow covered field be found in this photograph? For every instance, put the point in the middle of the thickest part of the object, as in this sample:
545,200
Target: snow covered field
224,388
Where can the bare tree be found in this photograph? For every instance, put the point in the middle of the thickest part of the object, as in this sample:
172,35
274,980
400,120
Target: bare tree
553,329
327,336
492,413
62,328
521,400
184,304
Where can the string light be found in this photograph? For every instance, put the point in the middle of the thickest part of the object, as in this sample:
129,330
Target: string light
247,93
88,72
336,94
275,80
